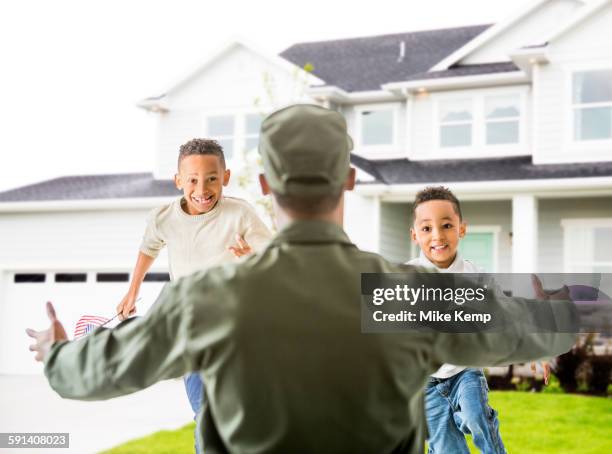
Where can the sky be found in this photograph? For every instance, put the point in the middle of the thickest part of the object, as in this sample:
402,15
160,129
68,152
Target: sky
73,71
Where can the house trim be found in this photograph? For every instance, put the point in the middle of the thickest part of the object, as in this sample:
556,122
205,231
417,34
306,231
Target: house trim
497,189
84,205
458,82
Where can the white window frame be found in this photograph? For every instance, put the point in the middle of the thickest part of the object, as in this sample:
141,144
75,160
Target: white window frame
439,124
488,121
208,135
572,145
581,222
245,135
479,147
379,151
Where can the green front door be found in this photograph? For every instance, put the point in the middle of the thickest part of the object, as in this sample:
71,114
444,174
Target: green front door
478,247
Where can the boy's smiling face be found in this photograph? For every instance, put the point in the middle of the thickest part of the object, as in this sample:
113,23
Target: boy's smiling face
201,178
437,230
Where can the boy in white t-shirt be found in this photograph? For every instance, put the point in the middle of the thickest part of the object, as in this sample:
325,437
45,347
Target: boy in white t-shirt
200,230
456,397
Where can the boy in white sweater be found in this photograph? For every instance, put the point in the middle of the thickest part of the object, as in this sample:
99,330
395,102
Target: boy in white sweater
200,230
456,397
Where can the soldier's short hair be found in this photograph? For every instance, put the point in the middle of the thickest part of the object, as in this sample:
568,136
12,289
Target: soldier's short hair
201,147
436,193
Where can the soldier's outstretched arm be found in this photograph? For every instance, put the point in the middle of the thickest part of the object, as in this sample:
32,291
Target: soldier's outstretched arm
531,330
136,354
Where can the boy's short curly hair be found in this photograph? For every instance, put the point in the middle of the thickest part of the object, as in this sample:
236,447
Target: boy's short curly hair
436,193
201,147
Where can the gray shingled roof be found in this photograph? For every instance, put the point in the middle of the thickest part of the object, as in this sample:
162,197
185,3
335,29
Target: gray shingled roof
404,171
467,70
87,187
363,64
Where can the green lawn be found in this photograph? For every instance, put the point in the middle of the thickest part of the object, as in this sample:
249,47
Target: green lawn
530,423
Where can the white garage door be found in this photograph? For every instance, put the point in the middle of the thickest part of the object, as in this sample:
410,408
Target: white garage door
73,294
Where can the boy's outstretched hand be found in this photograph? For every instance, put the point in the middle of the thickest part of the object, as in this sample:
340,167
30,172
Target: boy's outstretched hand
242,248
46,339
127,306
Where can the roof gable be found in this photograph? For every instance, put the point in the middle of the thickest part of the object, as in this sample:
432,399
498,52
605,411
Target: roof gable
575,21
367,63
219,53
495,33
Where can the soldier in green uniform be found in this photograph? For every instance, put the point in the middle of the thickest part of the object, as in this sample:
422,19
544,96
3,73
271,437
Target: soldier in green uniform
278,337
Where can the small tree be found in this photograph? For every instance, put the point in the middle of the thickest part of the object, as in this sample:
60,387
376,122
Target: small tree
252,163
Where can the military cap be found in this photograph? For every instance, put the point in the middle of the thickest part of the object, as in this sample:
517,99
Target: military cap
305,150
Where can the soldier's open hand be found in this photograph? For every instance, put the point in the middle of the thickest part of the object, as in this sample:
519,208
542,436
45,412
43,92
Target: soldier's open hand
45,339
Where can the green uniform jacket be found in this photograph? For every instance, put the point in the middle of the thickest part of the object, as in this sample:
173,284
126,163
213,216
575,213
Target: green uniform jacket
278,342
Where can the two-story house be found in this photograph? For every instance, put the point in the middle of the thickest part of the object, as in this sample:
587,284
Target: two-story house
515,117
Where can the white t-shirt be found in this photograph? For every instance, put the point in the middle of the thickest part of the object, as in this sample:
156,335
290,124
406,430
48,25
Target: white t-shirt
198,242
459,265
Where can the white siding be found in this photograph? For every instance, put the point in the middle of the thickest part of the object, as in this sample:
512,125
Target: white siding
238,81
550,240
395,223
71,239
532,29
361,221
586,46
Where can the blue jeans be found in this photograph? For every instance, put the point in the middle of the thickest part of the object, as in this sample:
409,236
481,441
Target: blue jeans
195,393
460,405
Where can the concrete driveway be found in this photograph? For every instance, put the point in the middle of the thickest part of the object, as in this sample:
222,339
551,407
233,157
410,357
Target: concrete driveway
27,404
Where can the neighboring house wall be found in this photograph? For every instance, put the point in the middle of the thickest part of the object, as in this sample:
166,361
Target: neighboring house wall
550,235
587,46
236,83
531,30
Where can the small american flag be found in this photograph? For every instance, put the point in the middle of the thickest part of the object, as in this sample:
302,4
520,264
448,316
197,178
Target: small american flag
87,323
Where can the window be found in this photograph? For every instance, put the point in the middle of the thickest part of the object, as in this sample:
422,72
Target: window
502,118
157,277
377,127
455,118
588,245
29,278
252,124
221,129
592,105
71,277
112,277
